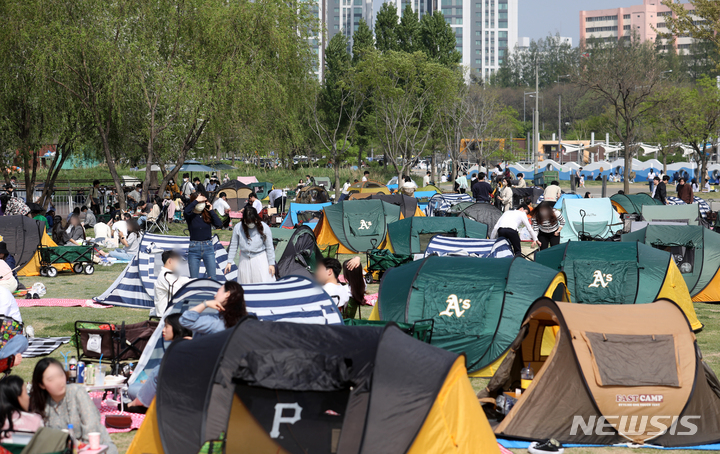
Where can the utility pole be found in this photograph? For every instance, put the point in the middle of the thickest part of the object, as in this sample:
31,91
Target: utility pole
536,118
560,153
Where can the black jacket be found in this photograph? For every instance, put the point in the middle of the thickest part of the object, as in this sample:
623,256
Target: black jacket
661,193
481,191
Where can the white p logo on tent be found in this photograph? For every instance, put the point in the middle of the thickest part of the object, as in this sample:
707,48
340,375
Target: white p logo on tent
280,419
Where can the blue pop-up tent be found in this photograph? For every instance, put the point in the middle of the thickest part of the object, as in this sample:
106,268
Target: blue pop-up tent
595,218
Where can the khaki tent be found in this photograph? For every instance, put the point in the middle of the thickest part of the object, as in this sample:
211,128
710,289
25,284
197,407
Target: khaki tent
281,388
607,374
356,225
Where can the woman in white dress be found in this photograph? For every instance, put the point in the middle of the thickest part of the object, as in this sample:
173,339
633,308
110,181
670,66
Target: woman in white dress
253,239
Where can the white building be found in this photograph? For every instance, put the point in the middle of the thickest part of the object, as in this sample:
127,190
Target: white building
523,42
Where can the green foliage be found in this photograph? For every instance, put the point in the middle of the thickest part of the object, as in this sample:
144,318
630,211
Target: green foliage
701,21
438,40
408,31
363,41
386,24
555,59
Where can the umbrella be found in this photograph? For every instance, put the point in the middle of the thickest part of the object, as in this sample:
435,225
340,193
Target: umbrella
195,167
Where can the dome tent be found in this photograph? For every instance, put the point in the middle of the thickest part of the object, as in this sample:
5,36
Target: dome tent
695,249
476,304
483,213
632,203
619,273
347,393
356,225
624,370
595,218
411,236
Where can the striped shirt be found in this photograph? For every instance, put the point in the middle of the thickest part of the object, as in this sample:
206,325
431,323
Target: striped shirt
547,226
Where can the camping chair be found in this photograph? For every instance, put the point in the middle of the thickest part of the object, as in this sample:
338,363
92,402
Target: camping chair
115,344
159,223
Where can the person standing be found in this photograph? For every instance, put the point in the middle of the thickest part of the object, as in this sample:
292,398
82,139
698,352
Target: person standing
509,223
93,199
651,180
187,189
547,222
505,195
661,190
134,197
426,179
199,188
200,219
253,239
255,203
366,176
521,184
685,192
577,176
552,192
408,186
481,189
461,184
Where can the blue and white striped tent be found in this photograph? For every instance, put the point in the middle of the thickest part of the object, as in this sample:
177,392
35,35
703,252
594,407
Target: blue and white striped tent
703,206
474,247
443,202
293,299
135,287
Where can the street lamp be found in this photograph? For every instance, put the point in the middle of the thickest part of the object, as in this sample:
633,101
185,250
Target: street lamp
530,93
560,120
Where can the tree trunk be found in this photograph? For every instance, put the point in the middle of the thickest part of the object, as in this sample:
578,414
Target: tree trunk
148,164
664,161
113,169
52,175
336,168
628,166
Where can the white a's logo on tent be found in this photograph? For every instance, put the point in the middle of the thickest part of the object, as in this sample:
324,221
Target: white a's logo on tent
600,279
280,419
453,306
364,225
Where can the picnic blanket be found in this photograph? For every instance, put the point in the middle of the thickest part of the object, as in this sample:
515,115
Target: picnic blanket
110,409
59,302
41,346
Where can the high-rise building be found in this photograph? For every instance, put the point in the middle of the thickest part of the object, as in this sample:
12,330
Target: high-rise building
523,43
485,30
337,16
644,20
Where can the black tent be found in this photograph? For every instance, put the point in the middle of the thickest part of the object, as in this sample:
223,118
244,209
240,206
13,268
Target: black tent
408,205
22,236
301,254
295,388
237,194
526,195
483,213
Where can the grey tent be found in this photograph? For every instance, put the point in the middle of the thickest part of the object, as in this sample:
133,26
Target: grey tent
483,213
300,256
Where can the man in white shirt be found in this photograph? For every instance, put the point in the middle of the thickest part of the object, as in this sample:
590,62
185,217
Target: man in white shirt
255,203
327,274
221,207
366,176
426,179
508,225
168,282
119,226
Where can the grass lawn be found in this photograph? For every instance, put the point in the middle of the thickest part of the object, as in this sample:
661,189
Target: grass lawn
59,322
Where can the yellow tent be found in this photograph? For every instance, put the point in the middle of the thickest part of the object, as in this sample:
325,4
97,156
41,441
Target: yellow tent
33,266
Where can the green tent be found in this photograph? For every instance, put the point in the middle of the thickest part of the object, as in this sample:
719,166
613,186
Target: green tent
412,235
685,214
477,304
261,189
619,273
632,203
696,251
356,225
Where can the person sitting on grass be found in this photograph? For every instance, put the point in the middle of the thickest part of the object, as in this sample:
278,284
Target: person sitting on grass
143,393
130,242
229,302
61,404
15,410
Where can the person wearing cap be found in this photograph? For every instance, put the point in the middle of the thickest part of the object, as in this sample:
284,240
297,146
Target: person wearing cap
200,220
254,202
168,282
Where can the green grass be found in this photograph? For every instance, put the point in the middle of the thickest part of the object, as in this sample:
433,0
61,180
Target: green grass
59,322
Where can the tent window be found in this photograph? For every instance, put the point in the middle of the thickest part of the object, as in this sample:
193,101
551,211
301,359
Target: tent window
684,257
633,360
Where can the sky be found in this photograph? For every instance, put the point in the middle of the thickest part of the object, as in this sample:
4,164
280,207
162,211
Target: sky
539,18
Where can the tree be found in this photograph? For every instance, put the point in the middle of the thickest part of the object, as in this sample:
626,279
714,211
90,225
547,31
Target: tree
693,115
453,110
363,41
438,40
406,88
626,75
483,120
555,57
386,24
408,31
700,22
338,104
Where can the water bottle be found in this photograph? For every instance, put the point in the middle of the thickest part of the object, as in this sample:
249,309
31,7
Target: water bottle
80,372
73,369
526,377
71,432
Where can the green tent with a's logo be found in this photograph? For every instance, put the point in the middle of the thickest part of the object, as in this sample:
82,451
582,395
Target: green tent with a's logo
476,304
619,273
356,225
412,235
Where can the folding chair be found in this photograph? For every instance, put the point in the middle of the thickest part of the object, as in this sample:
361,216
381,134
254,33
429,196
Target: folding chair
159,223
